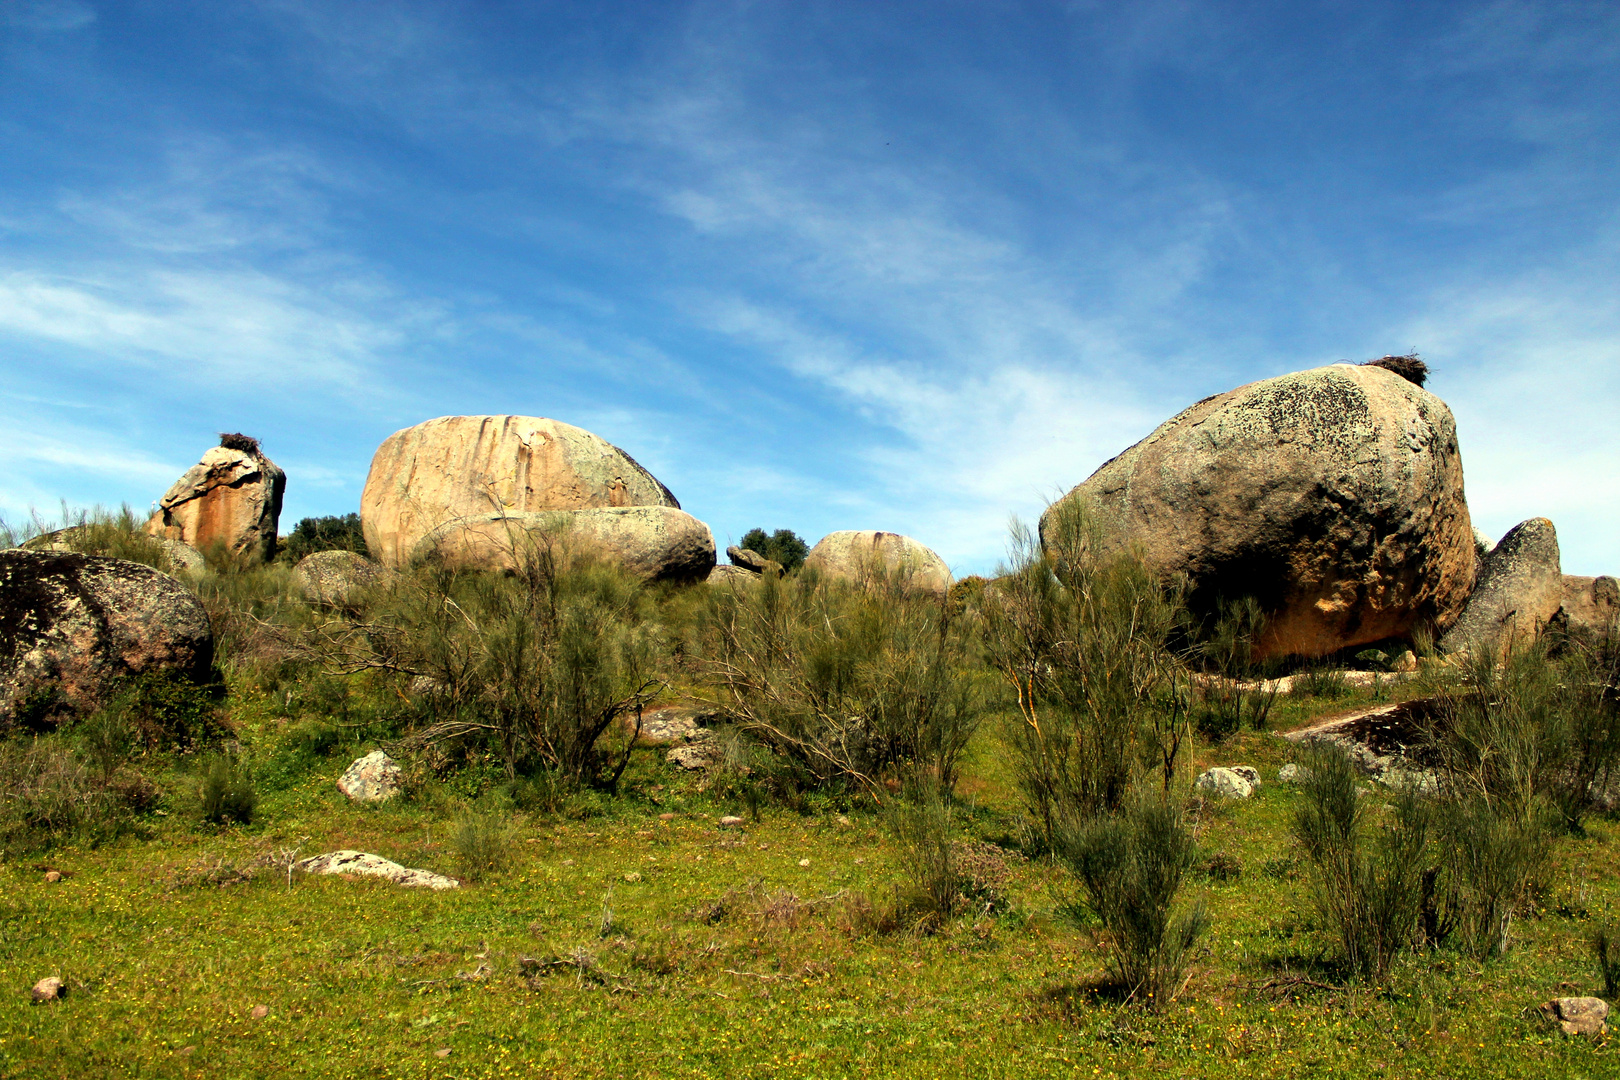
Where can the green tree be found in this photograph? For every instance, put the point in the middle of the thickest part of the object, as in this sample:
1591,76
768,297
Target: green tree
324,534
784,546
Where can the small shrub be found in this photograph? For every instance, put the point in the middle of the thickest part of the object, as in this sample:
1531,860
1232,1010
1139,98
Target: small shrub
314,534
47,796
1131,866
1328,683
1223,866
1494,860
1606,952
482,841
922,827
225,792
1232,695
782,546
546,791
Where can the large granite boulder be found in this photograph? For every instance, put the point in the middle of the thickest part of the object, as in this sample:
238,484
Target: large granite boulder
1591,605
231,499
1519,590
1333,496
72,627
464,467
337,579
657,543
858,554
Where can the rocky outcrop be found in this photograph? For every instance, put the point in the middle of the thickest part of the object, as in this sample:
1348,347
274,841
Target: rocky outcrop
1519,590
368,865
751,560
657,543
72,627
336,579
231,499
370,779
427,477
1591,605
1333,496
860,555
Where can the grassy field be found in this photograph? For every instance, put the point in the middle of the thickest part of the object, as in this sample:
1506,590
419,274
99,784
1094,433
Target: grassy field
670,947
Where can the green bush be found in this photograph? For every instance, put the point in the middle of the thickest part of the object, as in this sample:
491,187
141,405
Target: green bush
47,796
1606,953
159,710
97,531
1493,861
922,828
1132,865
1234,693
225,792
482,841
312,534
783,546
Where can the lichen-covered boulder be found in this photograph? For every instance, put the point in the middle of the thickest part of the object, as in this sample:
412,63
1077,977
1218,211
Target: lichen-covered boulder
656,543
1591,605
1578,1015
858,554
465,467
336,579
1519,590
231,498
1333,496
370,779
1225,783
72,627
731,574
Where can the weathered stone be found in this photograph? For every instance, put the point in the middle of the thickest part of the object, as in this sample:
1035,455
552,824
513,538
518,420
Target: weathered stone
1578,1015
359,862
336,579
458,467
1249,773
658,543
861,554
674,724
751,560
1333,496
731,821
178,557
1519,590
1591,605
1293,774
260,1012
72,627
1226,783
726,574
231,498
373,778
694,756
48,989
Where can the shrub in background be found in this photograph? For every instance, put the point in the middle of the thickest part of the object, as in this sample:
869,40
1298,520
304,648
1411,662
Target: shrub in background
312,534
482,841
225,791
1234,694
47,796
922,827
782,546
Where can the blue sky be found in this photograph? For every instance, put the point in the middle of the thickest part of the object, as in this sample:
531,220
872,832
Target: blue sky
907,266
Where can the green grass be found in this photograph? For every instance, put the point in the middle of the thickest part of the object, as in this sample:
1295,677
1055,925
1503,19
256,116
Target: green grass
363,979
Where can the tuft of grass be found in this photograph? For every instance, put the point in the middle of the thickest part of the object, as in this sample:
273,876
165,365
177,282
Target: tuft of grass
225,792
482,841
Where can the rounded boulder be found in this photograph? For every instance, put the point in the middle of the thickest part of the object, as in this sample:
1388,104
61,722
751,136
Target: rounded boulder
1519,590
1333,496
656,543
336,578
229,499
860,554
465,467
72,627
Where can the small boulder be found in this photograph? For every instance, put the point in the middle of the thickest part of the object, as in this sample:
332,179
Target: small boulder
726,574
260,1012
861,554
336,579
1519,589
1333,496
751,560
657,543
1591,605
359,862
370,779
694,756
73,627
1249,773
1293,774
673,725
231,498
1578,1015
461,467
731,821
48,989
1225,783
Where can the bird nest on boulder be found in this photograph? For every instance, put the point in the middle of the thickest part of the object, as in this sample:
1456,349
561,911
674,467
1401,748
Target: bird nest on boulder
235,440
1408,367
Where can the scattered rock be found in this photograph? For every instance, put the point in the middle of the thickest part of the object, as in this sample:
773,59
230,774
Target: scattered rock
48,989
1578,1015
804,862
72,627
1388,742
53,876
751,560
260,1012
459,467
671,725
442,1052
1334,496
232,498
1293,774
373,778
861,554
1227,783
633,877
1590,605
694,756
336,579
182,558
359,862
726,574
667,816
731,821
1519,589
1249,773
658,543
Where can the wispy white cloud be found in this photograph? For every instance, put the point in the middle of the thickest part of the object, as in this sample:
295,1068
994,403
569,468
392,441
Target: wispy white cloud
47,15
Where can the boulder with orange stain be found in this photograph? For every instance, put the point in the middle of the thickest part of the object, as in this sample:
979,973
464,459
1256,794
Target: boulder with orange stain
230,501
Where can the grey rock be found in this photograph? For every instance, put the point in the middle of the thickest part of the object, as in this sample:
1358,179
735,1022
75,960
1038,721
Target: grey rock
863,554
731,821
181,558
1334,496
1226,783
1591,605
48,989
1519,589
694,756
75,626
370,779
337,579
1249,773
751,560
1293,774
673,725
360,862
1578,1015
726,574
